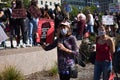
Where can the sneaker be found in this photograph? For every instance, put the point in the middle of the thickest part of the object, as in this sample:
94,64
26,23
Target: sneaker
29,45
18,46
24,45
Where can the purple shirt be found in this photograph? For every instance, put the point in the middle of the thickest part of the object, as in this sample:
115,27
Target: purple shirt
62,56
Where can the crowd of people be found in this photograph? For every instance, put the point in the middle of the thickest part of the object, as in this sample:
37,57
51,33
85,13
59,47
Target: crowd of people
67,32
25,27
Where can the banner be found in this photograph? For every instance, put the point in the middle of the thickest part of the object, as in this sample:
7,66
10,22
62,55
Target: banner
107,20
19,13
114,7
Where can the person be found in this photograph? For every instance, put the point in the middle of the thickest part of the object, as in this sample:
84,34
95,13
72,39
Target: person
105,48
90,22
33,14
49,11
81,18
59,16
66,49
11,22
20,26
96,22
3,35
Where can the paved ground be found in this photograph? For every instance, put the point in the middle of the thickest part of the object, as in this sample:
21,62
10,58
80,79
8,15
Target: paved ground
85,73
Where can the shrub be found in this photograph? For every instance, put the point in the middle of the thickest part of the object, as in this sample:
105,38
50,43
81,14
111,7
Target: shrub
11,73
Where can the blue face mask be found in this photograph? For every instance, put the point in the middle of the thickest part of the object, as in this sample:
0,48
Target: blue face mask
101,33
64,31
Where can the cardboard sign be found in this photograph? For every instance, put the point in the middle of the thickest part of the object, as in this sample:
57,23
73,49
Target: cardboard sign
45,30
19,13
107,20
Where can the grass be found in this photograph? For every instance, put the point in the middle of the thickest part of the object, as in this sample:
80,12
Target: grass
53,71
11,73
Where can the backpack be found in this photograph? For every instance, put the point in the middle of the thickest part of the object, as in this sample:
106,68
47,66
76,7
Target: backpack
116,61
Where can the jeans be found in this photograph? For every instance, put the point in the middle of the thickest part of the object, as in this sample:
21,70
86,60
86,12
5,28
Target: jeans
90,29
33,24
104,68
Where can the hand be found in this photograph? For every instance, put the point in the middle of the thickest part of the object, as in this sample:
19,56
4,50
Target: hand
60,46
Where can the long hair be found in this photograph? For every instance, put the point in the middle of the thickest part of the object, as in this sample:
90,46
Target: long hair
19,4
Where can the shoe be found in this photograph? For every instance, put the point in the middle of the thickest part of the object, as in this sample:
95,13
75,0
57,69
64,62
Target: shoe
12,46
18,46
29,45
24,45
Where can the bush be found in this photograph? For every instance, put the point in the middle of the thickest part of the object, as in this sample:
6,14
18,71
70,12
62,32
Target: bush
11,73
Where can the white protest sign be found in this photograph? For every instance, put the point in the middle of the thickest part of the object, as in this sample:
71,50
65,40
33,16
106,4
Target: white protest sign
107,20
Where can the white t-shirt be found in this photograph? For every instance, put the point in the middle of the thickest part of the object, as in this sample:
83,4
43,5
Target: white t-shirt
91,21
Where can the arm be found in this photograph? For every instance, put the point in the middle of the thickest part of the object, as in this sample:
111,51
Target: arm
62,47
88,18
50,46
112,46
74,49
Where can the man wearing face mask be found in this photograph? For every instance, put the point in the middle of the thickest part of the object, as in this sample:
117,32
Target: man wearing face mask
104,51
66,49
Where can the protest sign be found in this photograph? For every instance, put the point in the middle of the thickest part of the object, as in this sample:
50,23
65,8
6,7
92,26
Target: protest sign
107,20
19,13
45,31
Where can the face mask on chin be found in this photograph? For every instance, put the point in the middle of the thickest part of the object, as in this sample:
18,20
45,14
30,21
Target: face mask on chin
64,31
101,33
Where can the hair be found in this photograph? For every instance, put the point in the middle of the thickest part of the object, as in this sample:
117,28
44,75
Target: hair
34,2
69,31
102,26
19,4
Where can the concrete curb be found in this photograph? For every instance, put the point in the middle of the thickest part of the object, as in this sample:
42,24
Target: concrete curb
30,62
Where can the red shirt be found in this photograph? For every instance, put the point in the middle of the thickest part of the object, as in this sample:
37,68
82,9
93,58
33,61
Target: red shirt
103,52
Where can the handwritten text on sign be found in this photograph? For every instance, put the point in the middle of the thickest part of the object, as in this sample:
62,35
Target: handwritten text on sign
19,13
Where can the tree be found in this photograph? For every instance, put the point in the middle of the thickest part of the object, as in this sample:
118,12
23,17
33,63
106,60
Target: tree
74,12
91,8
26,3
8,3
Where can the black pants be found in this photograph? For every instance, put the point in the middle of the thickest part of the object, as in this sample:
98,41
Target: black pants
21,28
64,76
